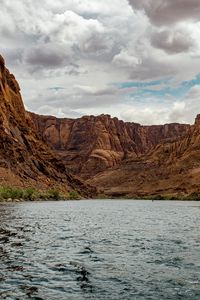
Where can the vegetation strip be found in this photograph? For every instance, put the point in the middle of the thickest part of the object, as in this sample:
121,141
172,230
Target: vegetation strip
8,193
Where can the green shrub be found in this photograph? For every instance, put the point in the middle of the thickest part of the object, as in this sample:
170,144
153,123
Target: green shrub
12,193
29,194
73,195
53,194
193,196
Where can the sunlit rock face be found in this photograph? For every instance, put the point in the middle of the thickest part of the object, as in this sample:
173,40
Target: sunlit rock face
171,168
92,144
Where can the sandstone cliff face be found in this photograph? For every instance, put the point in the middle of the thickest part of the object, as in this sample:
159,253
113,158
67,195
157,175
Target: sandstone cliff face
171,168
90,144
25,160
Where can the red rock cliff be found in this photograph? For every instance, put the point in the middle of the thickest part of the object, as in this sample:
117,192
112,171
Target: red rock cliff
25,160
171,168
92,144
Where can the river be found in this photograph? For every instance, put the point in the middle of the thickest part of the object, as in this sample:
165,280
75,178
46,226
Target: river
100,249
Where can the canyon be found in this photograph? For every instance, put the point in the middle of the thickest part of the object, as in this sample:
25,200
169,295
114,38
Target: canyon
92,144
94,154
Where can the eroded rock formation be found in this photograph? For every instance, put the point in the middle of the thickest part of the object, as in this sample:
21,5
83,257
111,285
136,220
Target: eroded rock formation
90,144
171,168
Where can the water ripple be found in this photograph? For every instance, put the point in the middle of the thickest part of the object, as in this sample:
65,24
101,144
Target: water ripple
100,250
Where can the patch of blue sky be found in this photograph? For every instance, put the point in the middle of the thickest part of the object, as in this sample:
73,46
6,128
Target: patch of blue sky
141,84
177,92
193,82
146,90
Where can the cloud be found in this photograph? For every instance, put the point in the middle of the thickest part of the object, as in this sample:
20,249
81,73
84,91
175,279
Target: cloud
73,30
78,98
47,55
153,67
124,59
167,111
155,114
168,12
59,112
145,116
90,47
96,91
172,42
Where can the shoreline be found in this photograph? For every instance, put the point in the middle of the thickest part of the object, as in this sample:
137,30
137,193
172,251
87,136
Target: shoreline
10,194
10,201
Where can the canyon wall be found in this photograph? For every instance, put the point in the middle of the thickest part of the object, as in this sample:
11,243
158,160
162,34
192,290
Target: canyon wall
172,168
25,160
91,144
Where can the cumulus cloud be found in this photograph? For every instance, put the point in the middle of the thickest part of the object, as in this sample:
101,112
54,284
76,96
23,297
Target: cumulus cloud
87,48
73,30
157,114
141,115
168,111
126,59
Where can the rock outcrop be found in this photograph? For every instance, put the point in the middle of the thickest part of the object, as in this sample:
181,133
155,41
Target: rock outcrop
90,144
25,160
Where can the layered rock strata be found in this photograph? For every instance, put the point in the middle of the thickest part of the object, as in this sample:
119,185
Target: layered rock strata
90,144
172,168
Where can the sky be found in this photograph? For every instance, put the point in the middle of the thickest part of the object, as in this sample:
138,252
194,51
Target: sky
138,60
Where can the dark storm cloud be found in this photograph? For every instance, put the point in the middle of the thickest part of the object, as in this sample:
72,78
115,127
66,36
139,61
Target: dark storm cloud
46,56
171,42
166,12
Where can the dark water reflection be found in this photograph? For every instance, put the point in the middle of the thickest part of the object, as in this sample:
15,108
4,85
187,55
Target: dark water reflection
100,250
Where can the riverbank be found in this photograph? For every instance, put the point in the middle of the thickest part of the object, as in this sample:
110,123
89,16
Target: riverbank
14,194
160,197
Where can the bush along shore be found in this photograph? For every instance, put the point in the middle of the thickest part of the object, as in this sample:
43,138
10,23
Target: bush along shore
9,194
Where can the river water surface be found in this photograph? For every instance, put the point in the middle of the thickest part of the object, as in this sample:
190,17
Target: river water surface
102,249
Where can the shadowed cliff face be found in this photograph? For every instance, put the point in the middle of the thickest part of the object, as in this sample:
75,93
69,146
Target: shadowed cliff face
24,158
90,144
171,168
